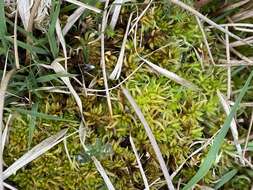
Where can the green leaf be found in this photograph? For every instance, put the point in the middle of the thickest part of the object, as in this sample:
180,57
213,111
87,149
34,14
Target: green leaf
217,142
224,179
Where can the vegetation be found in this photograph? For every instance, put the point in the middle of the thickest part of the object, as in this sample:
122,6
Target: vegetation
184,112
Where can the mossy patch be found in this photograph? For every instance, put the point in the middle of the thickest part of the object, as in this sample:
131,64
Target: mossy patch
179,117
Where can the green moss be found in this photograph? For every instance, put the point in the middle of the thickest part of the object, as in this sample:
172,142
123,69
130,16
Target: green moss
177,116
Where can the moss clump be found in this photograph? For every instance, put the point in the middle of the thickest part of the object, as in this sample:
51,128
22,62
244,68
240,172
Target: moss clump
178,116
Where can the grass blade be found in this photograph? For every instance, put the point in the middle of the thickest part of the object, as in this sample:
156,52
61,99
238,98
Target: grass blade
24,12
41,115
5,132
204,18
34,153
51,77
62,41
3,28
72,19
85,6
117,70
103,173
217,142
58,68
224,179
139,164
116,13
102,61
151,138
32,123
30,48
15,41
51,31
171,75
233,126
3,87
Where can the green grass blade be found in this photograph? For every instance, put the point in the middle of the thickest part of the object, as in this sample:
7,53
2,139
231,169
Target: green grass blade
224,179
3,28
30,48
51,31
41,115
32,123
56,76
217,142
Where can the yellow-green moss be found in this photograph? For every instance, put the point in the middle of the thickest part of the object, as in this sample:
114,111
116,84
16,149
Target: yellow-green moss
177,116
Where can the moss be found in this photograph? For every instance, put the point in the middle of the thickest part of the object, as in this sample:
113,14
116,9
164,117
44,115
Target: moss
177,116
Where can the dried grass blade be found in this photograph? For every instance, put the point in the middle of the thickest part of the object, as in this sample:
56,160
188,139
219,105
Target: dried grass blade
72,164
151,138
229,88
104,23
235,5
58,68
115,15
72,19
205,40
5,132
15,40
140,16
9,186
3,88
62,41
145,180
171,75
103,173
204,18
84,6
117,70
34,153
248,135
233,126
242,16
24,12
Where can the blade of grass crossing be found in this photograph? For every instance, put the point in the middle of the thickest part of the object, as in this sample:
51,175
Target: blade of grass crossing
51,31
217,142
